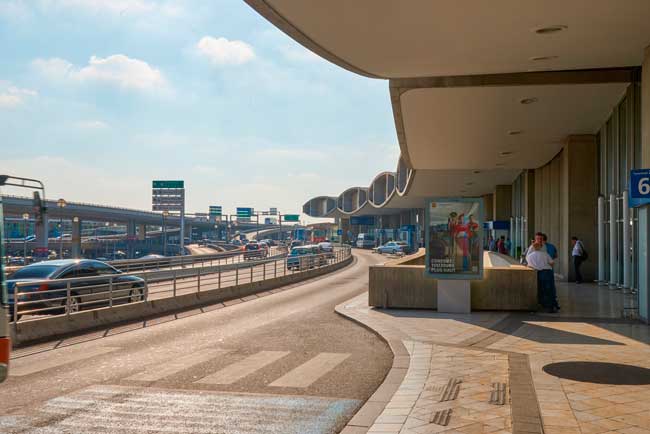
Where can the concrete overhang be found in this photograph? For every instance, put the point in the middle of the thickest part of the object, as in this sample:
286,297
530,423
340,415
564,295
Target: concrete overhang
321,206
506,121
391,39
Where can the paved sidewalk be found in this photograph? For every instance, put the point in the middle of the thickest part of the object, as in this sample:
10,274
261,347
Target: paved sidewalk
506,373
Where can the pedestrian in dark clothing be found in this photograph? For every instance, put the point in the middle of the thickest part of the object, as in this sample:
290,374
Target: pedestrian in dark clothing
579,255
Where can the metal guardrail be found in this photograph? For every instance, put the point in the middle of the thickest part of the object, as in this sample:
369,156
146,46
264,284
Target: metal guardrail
68,296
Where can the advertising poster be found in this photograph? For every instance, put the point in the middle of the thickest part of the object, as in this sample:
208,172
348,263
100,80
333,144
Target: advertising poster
454,238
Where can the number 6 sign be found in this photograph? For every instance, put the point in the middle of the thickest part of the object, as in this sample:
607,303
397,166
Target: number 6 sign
639,187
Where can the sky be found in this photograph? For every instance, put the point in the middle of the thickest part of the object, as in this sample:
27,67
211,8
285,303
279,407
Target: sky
100,97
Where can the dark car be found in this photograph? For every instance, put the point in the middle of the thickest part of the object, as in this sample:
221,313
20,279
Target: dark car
84,293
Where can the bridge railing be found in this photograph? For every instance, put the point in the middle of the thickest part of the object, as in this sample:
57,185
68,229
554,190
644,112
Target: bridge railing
30,300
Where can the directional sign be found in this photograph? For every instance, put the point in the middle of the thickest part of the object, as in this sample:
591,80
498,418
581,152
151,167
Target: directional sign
215,211
339,232
168,184
244,212
639,187
291,217
273,211
366,220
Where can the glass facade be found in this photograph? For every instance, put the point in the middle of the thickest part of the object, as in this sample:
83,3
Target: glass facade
619,147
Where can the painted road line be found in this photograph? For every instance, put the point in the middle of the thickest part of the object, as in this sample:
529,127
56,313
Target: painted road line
134,410
243,368
53,359
170,367
310,371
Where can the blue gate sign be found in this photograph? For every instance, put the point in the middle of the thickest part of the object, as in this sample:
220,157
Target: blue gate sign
339,232
639,187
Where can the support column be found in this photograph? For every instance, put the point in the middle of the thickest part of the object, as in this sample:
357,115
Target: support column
131,239
613,241
644,212
142,232
76,238
601,240
502,203
41,227
488,206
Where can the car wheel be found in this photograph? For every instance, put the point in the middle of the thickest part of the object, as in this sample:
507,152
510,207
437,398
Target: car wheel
75,305
136,294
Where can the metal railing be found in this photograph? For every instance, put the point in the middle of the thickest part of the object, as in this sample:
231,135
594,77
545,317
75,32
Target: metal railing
30,300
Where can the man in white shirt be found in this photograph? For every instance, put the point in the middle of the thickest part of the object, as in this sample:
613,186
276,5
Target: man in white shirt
539,260
578,255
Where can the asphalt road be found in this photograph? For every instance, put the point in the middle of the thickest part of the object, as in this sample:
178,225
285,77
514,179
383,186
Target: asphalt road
284,363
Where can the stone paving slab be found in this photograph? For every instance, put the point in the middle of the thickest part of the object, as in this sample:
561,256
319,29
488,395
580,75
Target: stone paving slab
480,350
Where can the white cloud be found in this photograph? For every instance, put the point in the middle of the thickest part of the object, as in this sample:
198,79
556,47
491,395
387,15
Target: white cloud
12,96
92,124
221,51
117,69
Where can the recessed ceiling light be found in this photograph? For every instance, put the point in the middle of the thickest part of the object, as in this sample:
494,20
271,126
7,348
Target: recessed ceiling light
527,101
499,165
463,191
514,132
543,58
476,172
505,153
469,183
550,29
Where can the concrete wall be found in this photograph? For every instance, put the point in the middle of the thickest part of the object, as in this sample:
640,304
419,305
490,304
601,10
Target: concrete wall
488,206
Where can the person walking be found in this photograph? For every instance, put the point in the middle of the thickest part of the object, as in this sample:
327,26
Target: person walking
541,262
501,245
579,255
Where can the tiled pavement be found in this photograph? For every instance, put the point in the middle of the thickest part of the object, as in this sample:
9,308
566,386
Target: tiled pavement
475,353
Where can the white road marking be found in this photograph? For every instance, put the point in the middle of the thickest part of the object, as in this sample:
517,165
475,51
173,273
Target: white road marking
52,359
165,369
235,372
310,371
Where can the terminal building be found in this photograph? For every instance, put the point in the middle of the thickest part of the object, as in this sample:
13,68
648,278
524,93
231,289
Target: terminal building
540,107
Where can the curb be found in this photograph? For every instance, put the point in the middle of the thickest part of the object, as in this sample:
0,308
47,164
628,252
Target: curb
365,417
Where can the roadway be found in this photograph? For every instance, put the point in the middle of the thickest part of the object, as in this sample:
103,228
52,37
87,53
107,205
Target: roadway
284,363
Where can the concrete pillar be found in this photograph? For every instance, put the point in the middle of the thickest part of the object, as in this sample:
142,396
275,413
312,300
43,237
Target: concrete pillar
488,207
529,207
41,227
580,202
502,203
644,212
131,238
142,232
76,238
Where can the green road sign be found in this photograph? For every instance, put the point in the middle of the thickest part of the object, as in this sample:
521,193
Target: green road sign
244,212
291,217
215,211
168,184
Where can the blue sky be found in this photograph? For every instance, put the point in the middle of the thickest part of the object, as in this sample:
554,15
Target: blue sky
99,97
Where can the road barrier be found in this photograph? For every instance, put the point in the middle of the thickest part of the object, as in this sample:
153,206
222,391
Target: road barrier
84,303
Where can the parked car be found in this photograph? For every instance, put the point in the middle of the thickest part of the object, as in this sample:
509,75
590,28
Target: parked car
29,238
365,241
394,247
296,243
86,293
303,257
253,250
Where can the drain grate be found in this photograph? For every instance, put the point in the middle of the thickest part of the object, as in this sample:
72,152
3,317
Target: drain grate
450,392
441,417
498,395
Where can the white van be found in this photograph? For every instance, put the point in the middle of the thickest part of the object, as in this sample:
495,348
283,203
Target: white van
366,241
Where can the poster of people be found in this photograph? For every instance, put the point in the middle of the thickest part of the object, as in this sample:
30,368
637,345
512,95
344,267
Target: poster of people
454,235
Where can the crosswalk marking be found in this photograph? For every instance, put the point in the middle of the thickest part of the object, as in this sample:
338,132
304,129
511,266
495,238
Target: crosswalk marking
41,362
235,372
161,370
310,371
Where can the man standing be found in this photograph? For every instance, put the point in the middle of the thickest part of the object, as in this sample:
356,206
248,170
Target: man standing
550,248
579,255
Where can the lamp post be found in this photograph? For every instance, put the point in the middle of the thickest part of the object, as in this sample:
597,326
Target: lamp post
25,218
61,203
164,215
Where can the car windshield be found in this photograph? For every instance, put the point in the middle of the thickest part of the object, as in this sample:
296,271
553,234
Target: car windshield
300,251
35,272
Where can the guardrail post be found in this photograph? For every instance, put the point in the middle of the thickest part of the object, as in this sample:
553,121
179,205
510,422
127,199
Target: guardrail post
67,297
198,278
174,278
275,268
219,281
110,291
252,266
264,272
146,288
237,275
16,297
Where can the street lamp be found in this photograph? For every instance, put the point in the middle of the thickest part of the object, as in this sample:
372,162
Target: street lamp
25,218
61,203
165,214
